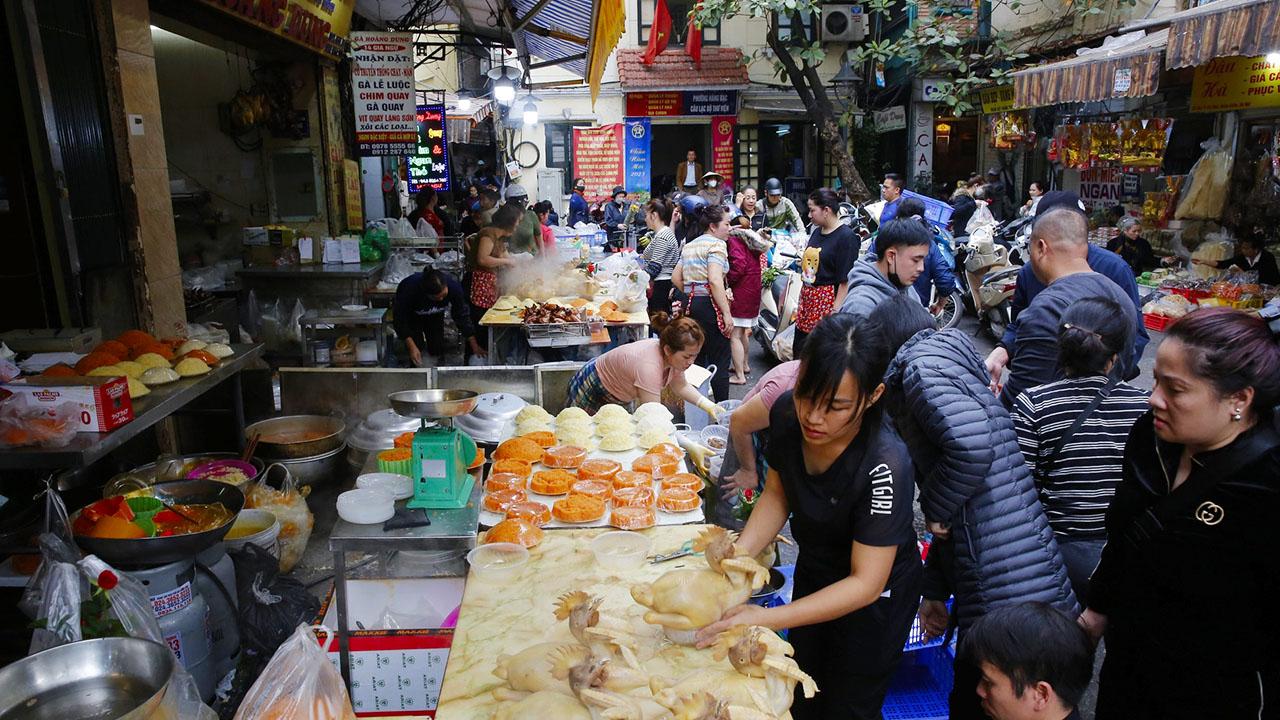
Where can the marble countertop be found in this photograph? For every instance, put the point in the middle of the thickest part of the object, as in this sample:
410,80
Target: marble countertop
498,619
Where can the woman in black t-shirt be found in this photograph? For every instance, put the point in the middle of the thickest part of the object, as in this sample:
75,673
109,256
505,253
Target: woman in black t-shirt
824,265
844,477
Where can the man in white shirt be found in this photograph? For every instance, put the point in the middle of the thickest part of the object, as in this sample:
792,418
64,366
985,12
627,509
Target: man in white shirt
689,172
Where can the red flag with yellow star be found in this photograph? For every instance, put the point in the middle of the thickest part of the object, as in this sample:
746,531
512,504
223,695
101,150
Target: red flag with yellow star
659,32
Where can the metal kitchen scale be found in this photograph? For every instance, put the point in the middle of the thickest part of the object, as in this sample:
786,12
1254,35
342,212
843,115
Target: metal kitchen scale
441,452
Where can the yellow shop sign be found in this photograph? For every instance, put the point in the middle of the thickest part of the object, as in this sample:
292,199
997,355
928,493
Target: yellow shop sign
1235,83
996,99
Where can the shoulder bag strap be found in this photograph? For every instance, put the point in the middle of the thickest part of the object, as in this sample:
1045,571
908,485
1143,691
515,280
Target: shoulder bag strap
1052,459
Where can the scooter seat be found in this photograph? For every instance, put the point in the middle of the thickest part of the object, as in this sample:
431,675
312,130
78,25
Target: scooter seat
1001,274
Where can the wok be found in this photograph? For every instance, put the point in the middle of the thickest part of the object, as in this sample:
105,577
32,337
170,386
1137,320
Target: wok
108,678
274,433
159,550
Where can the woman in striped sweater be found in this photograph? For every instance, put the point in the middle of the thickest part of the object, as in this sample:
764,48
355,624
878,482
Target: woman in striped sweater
1073,432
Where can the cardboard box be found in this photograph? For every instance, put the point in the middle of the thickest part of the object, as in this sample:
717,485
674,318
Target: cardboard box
104,402
76,340
398,660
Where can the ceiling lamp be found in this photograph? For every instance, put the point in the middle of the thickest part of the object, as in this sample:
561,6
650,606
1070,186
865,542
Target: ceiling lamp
464,101
504,86
530,114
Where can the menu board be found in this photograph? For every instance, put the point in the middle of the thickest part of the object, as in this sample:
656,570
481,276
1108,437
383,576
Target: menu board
429,166
382,85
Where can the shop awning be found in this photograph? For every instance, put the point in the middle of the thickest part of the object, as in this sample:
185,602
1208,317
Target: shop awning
1120,68
1223,29
557,32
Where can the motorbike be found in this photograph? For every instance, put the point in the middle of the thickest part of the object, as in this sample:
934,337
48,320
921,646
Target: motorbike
780,299
948,312
1015,235
989,279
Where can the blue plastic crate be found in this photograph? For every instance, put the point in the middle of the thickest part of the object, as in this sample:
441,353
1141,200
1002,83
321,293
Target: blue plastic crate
915,639
922,686
936,211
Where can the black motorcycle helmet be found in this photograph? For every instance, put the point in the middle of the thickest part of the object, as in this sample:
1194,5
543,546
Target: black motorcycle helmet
773,186
686,229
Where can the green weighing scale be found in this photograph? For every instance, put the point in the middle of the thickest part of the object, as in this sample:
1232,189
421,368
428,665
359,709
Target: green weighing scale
441,452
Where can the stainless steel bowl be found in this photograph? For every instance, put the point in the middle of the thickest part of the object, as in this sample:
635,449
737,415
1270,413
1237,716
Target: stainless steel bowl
296,436
103,679
313,470
432,404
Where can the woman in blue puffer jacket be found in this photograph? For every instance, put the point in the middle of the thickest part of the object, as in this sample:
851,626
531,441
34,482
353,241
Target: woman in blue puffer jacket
978,495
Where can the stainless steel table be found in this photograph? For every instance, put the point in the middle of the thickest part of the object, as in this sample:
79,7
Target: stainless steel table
368,320
162,402
449,529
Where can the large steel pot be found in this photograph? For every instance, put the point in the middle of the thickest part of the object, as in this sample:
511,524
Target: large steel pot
174,468
311,470
103,679
296,436
159,550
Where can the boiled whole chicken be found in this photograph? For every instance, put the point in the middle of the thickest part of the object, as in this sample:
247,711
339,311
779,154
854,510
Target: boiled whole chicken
685,600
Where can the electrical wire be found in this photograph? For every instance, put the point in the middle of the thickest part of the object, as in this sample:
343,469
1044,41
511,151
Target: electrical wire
212,192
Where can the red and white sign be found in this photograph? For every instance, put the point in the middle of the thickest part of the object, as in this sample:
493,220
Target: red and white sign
722,146
104,403
382,85
597,158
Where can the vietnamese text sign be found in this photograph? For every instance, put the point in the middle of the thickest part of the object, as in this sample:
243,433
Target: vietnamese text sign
319,26
722,146
1100,187
1235,83
597,158
430,165
382,85
996,99
638,153
352,192
891,118
688,102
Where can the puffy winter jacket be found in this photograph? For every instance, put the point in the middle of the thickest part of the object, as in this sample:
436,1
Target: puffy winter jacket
973,477
867,288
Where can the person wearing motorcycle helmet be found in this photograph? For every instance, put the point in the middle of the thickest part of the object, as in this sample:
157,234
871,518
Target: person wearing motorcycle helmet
711,191
686,227
615,217
578,207
528,235
779,212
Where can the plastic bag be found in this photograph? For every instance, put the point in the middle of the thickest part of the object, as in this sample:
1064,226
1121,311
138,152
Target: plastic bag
204,278
271,606
982,218
299,684
89,598
424,230
1206,194
400,228
397,269
25,423
289,505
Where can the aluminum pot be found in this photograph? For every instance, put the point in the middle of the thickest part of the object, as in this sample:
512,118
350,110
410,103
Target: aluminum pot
107,678
312,470
296,436
176,468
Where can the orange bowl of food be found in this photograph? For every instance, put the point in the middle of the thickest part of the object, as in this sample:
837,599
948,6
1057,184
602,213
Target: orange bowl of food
564,456
578,509
656,466
633,518
687,480
678,500
499,500
530,511
633,497
504,481
599,469
544,438
514,530
515,467
519,448
631,478
593,488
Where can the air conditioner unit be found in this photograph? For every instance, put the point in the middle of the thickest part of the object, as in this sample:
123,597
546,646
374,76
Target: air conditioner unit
843,23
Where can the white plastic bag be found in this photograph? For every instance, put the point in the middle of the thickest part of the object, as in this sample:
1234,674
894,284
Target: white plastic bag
1204,196
23,423
982,218
425,230
398,268
299,683
289,505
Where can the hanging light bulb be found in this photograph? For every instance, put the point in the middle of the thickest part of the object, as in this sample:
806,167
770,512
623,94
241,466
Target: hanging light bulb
1273,58
464,101
503,90
530,114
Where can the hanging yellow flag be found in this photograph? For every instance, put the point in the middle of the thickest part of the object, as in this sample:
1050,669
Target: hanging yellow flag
610,21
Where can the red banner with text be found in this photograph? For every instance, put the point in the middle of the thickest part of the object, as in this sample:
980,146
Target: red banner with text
722,146
597,158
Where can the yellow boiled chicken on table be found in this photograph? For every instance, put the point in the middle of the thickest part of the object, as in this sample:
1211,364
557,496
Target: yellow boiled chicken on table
685,600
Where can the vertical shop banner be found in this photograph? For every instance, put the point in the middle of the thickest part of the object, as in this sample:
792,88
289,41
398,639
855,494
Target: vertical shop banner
382,85
430,165
722,149
352,191
638,154
1100,187
598,158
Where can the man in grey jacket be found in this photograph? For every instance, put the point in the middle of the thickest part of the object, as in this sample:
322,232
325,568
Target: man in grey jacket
901,247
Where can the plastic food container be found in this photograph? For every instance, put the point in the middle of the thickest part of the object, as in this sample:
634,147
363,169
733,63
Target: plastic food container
535,512
716,437
564,456
599,469
255,527
366,507
686,480
656,466
504,481
620,550
592,488
399,486
633,497
678,500
499,500
498,562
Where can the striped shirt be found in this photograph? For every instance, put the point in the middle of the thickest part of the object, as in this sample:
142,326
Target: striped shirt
1079,488
697,257
664,251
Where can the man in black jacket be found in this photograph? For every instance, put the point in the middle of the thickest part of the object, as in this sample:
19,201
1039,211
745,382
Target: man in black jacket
420,304
1059,250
